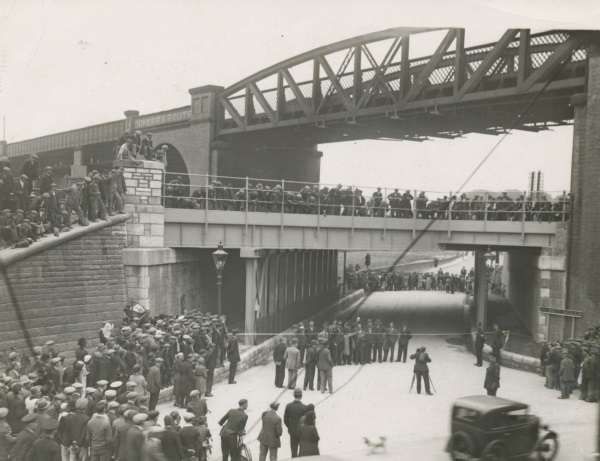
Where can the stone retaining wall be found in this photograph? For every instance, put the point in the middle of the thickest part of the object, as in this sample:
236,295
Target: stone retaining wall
512,360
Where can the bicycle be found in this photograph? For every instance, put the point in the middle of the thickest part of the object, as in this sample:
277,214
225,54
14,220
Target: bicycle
245,454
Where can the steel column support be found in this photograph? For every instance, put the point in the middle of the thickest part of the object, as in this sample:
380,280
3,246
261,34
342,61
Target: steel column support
250,301
481,285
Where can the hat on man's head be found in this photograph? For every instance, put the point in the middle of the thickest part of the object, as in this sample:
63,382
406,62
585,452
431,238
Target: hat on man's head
139,418
3,412
297,392
116,385
274,405
42,404
110,394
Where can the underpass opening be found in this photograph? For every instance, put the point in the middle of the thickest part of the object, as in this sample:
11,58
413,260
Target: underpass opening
176,167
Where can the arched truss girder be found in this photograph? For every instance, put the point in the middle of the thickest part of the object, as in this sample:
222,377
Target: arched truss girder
350,81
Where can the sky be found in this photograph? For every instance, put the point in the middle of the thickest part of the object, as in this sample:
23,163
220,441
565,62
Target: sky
67,64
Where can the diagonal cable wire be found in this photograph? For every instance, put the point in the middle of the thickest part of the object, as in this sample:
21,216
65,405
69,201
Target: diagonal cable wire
466,181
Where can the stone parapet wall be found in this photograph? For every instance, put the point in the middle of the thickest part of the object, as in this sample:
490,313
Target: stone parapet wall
144,181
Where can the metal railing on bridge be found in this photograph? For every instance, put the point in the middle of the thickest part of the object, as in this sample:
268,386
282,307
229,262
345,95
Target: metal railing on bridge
260,195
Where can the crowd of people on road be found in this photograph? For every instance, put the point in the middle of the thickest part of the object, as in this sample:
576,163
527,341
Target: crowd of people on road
348,201
573,364
30,213
85,408
381,280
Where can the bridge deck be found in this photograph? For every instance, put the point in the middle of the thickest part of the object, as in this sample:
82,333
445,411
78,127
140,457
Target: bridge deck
238,229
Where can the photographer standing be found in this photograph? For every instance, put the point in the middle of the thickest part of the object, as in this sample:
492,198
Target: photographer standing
421,369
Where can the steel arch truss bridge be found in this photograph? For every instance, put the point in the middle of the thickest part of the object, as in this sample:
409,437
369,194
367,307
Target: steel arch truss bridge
378,86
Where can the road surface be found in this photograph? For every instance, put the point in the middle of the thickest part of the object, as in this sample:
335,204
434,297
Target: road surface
374,400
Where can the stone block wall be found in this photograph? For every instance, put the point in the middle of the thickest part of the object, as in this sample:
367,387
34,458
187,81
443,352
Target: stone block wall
146,227
65,292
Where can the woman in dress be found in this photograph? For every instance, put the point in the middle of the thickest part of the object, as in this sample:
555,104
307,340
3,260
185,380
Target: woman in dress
309,437
138,378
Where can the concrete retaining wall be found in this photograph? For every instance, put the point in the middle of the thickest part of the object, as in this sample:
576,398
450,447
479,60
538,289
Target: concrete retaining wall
512,360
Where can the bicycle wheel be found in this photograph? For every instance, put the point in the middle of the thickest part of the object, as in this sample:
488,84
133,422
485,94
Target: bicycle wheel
245,454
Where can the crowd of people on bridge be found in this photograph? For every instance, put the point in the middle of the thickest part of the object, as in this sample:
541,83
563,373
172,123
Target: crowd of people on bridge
29,214
348,201
32,207
137,146
84,402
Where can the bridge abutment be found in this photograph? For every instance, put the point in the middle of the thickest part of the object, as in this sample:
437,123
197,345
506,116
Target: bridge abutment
583,289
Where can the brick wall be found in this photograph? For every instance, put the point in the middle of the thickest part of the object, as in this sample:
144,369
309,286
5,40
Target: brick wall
583,289
67,291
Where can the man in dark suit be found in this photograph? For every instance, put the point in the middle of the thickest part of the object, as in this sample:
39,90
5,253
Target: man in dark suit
233,355
46,180
21,190
270,433
404,338
234,423
293,412
278,358
31,170
311,363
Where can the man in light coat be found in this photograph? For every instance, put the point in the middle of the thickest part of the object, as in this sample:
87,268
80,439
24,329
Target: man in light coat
270,433
292,363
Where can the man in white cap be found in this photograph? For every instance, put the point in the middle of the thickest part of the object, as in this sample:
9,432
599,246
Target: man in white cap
134,439
196,404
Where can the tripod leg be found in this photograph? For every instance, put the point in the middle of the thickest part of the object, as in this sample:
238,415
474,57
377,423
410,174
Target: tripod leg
412,383
431,381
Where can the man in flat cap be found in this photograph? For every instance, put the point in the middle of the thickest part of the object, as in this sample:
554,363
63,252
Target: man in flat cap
270,433
30,169
21,190
233,424
6,435
233,355
310,365
99,435
196,404
147,147
25,437
46,180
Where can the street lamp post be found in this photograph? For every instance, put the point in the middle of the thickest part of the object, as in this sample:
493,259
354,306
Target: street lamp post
220,258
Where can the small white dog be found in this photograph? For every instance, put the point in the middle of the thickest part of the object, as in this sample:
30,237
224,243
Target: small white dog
374,446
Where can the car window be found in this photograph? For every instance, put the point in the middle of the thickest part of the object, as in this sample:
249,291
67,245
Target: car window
466,415
500,419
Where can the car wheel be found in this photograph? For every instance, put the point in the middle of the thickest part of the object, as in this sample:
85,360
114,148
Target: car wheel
463,447
494,452
547,448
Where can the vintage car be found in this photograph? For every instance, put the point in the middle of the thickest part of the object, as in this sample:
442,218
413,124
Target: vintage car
491,428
